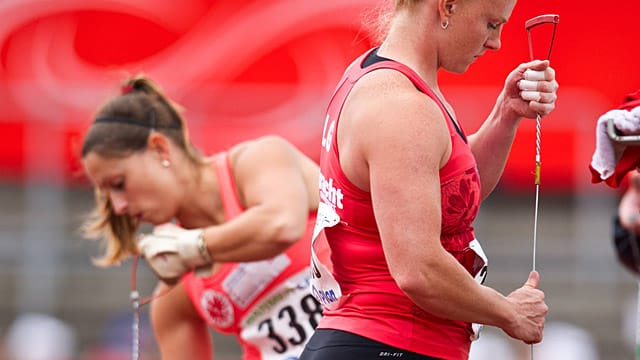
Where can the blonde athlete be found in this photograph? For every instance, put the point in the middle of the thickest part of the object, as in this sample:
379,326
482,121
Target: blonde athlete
401,184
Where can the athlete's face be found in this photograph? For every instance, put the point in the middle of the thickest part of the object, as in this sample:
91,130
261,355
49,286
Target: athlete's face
475,26
136,185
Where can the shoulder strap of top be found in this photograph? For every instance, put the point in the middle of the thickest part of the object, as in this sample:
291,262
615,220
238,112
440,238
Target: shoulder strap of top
228,189
415,79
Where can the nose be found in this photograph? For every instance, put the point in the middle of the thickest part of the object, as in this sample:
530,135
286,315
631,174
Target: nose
493,42
118,203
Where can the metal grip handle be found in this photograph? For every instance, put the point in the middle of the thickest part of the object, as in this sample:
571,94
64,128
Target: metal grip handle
542,19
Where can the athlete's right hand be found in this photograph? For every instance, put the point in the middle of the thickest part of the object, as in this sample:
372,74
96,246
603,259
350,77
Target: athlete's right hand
530,310
172,251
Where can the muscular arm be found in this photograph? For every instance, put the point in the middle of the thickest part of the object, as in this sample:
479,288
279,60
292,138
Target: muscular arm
278,186
179,330
403,142
491,145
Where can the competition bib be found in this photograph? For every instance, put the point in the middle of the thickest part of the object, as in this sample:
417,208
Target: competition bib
323,285
480,266
280,324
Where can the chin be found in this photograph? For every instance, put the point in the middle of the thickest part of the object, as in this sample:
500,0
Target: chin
162,220
465,67
457,67
457,70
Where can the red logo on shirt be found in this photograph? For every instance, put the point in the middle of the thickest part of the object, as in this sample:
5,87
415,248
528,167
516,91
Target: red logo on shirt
217,308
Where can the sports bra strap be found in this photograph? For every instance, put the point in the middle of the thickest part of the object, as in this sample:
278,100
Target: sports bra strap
228,189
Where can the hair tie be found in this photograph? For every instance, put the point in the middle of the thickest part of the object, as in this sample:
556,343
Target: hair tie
126,89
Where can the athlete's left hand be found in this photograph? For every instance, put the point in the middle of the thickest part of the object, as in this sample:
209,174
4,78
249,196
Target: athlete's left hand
531,89
172,251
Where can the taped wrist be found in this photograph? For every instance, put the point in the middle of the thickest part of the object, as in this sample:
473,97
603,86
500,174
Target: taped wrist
203,249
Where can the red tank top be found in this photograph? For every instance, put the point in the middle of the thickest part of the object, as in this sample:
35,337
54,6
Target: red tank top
372,305
266,304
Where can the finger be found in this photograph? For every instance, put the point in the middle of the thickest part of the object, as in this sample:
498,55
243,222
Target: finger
533,280
165,228
548,98
538,64
535,75
542,86
142,243
534,65
528,85
539,97
531,95
548,74
534,341
551,73
548,86
542,108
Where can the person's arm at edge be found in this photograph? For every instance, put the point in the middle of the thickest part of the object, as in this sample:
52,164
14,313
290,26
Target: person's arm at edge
629,205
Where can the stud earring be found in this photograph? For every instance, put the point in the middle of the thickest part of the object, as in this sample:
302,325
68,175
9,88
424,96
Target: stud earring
165,163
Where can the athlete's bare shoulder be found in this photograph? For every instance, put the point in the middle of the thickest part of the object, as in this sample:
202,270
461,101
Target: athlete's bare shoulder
390,94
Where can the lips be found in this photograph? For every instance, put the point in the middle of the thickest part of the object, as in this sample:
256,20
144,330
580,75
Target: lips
138,216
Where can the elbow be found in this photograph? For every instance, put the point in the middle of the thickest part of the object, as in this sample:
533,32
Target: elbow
422,286
286,231
415,286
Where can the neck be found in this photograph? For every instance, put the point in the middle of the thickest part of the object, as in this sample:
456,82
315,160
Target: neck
409,43
202,204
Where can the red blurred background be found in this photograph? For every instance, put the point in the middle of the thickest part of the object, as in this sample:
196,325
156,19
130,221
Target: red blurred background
247,68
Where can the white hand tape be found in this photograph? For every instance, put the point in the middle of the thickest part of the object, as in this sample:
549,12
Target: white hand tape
530,95
528,85
535,75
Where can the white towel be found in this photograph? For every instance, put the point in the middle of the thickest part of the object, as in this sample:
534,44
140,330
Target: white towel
607,152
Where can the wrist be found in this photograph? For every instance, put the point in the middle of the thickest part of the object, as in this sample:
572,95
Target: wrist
504,114
203,250
507,317
192,248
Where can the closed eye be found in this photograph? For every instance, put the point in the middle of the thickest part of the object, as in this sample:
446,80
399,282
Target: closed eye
118,185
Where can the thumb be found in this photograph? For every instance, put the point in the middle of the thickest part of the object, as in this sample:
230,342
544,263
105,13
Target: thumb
537,65
153,245
533,280
167,229
143,243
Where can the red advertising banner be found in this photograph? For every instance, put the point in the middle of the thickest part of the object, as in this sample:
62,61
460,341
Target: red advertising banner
242,69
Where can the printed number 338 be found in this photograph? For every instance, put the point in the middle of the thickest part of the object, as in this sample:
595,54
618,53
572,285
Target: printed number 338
310,312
